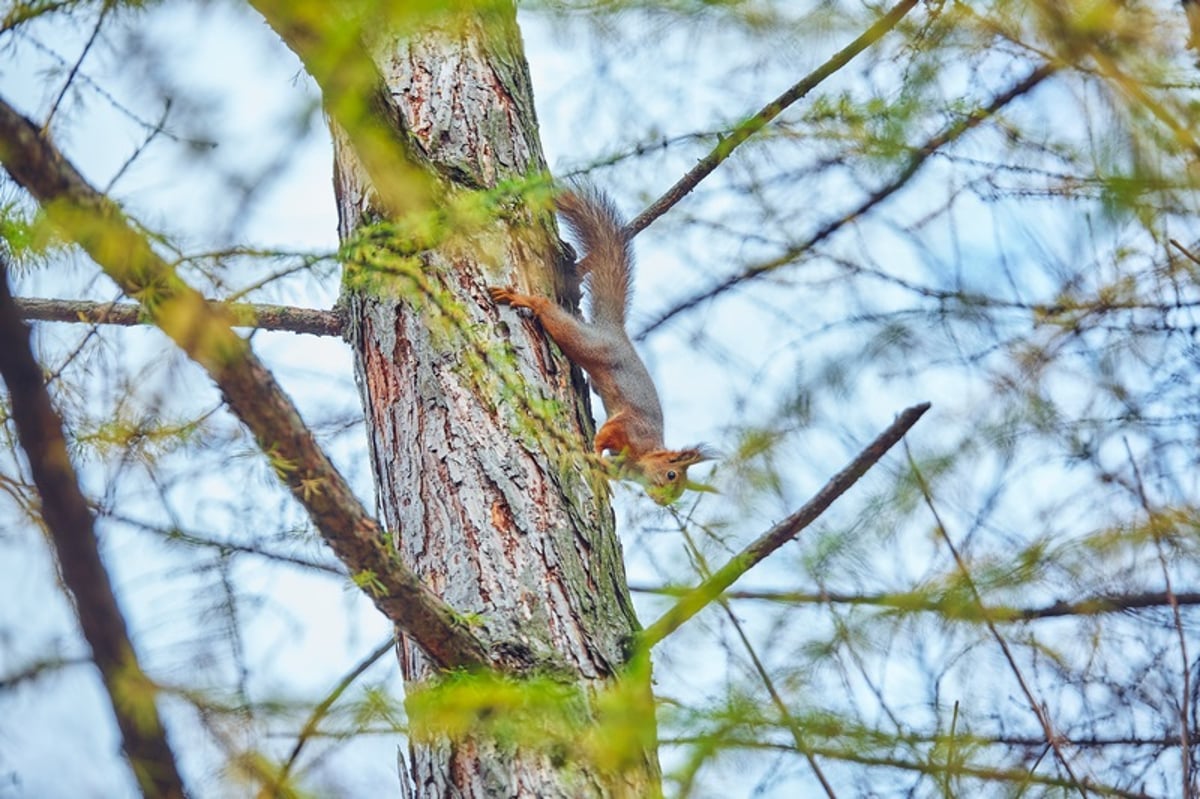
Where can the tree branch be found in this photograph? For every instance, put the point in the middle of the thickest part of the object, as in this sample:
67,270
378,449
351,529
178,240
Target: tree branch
1022,777
250,390
918,158
785,715
40,668
73,536
1185,672
356,96
309,730
285,318
699,597
925,602
754,124
1039,709
177,535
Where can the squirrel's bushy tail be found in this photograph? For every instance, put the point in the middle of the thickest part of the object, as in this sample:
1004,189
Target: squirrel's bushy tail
607,263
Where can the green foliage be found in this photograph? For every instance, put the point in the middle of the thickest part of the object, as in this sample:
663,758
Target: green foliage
369,581
606,730
145,440
376,705
29,239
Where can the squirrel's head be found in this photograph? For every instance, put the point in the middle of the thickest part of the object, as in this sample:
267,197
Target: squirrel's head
664,471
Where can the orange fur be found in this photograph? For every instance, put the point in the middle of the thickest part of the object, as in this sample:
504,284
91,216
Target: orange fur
633,432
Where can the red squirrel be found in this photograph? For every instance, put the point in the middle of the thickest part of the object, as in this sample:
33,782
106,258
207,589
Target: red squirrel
633,431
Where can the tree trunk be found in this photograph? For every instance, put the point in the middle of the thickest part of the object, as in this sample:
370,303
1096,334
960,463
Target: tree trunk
502,518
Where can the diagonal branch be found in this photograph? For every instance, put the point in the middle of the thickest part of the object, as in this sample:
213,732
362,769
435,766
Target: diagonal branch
699,597
98,225
73,535
1053,739
285,318
356,97
1152,518
87,47
918,158
789,720
309,730
754,124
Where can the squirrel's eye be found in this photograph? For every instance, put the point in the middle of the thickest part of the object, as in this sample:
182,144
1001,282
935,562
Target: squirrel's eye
671,475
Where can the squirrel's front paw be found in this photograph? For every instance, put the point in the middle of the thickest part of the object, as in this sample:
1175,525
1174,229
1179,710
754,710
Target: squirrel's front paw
506,296
502,296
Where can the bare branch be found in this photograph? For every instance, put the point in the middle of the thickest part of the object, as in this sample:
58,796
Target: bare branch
1188,253
1039,710
249,388
75,66
174,534
72,533
918,158
754,124
925,602
1186,669
308,732
785,715
40,668
285,318
1020,777
699,597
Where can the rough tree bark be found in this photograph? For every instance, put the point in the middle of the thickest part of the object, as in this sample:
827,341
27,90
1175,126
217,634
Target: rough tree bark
508,526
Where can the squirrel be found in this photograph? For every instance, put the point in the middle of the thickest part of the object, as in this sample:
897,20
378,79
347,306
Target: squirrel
633,432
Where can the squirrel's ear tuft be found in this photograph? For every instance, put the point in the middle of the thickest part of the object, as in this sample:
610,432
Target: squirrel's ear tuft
691,455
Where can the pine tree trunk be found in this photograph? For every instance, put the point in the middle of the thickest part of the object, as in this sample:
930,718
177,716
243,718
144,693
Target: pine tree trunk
522,540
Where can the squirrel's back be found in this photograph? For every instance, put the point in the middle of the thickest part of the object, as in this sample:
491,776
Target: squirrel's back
607,265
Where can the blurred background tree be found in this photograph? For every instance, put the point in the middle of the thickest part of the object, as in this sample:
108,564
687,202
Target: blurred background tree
850,208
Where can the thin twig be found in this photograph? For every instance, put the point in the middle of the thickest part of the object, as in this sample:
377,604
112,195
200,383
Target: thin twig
1184,720
1043,717
1191,256
38,669
918,158
748,128
75,67
153,133
176,534
699,597
785,715
319,712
